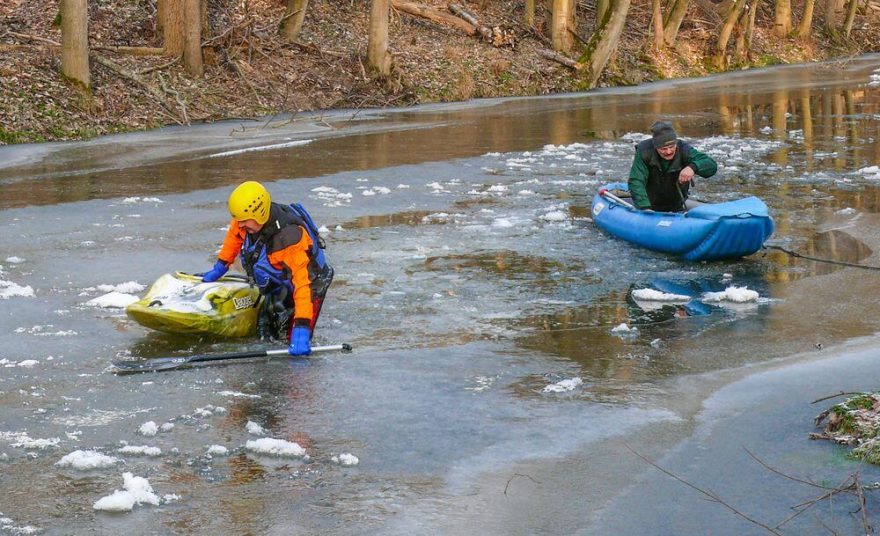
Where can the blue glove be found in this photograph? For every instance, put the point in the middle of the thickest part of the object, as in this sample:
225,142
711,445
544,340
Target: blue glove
300,341
216,272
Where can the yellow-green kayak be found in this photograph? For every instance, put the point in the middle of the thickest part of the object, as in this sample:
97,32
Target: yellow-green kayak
181,303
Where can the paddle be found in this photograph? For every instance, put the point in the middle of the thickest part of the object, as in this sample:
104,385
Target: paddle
605,193
169,363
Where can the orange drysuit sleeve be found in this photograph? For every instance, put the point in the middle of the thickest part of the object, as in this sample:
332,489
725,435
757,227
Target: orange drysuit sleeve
296,258
231,243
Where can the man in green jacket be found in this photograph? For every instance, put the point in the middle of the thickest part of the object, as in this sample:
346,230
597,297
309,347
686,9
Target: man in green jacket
663,170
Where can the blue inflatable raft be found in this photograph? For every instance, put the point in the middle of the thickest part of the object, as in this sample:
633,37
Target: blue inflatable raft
708,232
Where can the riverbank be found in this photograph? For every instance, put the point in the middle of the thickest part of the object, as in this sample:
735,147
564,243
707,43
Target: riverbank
254,75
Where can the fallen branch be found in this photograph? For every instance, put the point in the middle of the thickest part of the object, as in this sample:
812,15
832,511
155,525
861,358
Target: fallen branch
133,51
162,66
568,62
125,73
829,397
434,15
471,19
35,38
709,494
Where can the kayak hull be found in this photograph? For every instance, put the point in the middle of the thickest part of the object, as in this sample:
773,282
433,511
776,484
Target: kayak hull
181,303
709,232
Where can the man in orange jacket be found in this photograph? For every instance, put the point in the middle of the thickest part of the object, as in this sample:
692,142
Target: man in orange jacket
283,254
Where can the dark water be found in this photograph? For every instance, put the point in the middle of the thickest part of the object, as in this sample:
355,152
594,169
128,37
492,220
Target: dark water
469,279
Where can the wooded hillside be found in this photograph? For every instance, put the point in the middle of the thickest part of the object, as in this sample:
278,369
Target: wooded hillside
79,68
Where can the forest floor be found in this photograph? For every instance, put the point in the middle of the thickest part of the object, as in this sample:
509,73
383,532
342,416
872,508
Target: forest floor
251,73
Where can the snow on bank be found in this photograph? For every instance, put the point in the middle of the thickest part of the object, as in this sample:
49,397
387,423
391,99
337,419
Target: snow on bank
84,460
262,148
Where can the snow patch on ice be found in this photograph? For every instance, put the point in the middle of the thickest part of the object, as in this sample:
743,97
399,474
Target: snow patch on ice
732,294
136,490
84,460
563,386
275,447
345,458
649,294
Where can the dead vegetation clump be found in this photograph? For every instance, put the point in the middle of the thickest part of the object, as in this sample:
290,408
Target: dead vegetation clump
854,422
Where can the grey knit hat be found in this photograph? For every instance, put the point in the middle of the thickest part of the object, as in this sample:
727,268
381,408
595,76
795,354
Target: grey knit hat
662,134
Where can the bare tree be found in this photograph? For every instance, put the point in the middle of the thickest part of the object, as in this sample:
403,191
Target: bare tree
720,59
192,52
850,17
291,23
782,18
674,17
601,9
806,26
530,13
657,23
377,47
750,29
604,41
75,41
559,26
831,18
171,17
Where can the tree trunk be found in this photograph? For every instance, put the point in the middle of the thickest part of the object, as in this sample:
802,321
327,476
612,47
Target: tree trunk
782,18
530,13
559,35
601,10
725,32
75,41
172,27
831,18
604,41
160,14
657,23
675,15
850,17
377,47
293,19
750,30
805,28
741,26
192,52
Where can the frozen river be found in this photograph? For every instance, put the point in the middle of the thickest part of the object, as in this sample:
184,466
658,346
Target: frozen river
504,368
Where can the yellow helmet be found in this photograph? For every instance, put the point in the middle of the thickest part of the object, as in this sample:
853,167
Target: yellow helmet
250,201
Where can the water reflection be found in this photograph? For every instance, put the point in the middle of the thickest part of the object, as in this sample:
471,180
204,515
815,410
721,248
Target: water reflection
824,117
833,245
591,335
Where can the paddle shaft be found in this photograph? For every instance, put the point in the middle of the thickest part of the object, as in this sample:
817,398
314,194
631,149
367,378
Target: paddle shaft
609,195
264,353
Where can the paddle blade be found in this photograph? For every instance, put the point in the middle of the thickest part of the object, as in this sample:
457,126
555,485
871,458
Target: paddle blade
149,365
